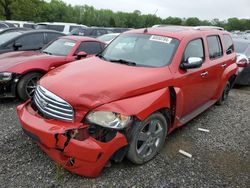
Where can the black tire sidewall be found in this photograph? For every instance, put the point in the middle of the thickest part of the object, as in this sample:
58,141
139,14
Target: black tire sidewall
221,101
132,154
21,86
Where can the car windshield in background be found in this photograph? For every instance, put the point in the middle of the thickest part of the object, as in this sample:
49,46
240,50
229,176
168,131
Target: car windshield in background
107,37
141,50
60,47
240,47
7,36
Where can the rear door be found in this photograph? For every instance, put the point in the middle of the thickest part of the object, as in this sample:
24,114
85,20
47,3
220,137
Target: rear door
215,65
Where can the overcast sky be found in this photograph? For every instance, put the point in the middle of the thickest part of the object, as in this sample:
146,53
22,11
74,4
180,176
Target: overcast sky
203,9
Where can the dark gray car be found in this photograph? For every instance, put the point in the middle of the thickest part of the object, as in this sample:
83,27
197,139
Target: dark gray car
26,40
242,46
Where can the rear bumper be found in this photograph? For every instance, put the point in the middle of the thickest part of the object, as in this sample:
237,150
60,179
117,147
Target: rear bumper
86,157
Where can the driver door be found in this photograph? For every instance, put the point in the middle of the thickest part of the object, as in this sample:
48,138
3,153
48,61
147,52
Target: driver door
193,82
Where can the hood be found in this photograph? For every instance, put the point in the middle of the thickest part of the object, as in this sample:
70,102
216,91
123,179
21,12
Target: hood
92,82
9,60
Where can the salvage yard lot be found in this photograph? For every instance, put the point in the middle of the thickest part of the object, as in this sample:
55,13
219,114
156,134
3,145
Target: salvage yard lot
220,157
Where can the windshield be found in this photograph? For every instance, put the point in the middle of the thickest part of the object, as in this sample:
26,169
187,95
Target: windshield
107,37
61,47
141,50
8,36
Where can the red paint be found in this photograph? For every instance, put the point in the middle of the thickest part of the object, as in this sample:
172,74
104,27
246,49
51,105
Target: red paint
23,62
94,84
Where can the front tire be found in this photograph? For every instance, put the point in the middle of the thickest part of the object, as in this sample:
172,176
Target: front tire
147,138
225,94
27,85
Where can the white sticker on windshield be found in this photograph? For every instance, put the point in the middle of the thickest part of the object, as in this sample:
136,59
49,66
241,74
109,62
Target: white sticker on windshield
69,44
160,39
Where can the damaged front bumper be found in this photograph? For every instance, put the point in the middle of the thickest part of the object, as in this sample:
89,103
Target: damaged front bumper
8,88
84,156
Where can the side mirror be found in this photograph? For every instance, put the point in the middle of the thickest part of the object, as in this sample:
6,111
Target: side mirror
17,45
192,63
81,54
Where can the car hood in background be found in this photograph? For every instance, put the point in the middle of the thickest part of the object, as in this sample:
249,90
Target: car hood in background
12,59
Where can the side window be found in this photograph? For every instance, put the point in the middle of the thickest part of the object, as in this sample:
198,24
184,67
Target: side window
194,49
74,27
100,32
90,47
52,36
59,28
214,47
31,41
228,44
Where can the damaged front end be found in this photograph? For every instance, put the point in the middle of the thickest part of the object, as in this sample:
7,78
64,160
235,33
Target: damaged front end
8,83
82,148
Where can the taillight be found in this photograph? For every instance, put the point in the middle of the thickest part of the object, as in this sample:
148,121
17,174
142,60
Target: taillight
242,63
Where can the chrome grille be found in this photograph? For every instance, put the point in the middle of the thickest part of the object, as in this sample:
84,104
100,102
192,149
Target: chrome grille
51,106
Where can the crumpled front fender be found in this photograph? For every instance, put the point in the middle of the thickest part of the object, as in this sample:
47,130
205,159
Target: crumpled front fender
140,106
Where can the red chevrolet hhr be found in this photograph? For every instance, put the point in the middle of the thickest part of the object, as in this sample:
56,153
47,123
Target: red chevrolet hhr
124,101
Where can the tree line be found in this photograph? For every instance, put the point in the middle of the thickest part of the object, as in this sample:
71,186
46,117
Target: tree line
59,11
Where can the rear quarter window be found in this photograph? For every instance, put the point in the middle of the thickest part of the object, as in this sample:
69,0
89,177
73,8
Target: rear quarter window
228,43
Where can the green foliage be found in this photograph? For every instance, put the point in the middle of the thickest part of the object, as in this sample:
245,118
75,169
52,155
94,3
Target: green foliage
59,11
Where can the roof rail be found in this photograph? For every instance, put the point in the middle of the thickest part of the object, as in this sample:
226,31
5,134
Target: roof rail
208,27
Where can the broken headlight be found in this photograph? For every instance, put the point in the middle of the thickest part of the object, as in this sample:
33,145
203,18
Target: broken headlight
109,119
5,76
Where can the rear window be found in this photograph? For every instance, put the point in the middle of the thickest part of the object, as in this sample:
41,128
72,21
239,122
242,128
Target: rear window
228,44
214,47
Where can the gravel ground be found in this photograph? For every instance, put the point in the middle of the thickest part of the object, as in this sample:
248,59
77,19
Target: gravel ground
220,158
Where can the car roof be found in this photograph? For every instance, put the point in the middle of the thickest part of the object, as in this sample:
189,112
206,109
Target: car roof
60,23
41,31
178,32
80,38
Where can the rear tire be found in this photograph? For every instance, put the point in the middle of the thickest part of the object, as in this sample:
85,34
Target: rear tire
26,86
224,95
146,138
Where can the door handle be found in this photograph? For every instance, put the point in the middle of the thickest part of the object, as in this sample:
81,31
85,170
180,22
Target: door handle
204,74
224,65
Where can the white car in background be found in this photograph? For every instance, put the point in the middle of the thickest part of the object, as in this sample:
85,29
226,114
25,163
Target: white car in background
25,24
107,38
65,28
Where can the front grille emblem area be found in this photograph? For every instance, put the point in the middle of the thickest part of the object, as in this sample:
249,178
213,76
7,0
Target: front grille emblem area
51,106
44,104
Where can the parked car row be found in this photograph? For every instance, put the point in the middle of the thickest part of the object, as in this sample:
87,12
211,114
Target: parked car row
66,28
91,102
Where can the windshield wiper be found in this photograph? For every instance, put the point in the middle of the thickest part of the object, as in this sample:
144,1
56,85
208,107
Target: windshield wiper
100,56
47,52
123,61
